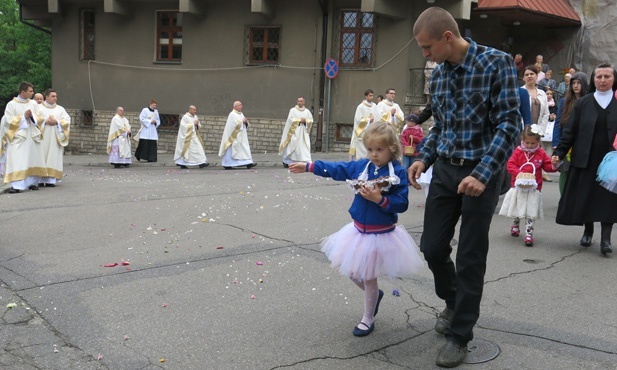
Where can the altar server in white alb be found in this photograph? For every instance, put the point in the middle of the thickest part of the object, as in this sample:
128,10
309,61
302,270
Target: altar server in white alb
390,112
189,145
366,113
56,128
148,136
296,140
235,149
119,140
21,136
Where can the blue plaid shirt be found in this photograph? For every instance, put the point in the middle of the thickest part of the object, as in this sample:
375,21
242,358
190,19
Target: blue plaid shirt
476,110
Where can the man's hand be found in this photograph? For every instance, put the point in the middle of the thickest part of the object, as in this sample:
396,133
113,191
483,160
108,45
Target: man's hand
297,167
393,111
471,186
414,172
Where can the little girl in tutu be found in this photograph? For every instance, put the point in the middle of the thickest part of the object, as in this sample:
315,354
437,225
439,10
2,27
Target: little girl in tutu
607,170
524,199
372,244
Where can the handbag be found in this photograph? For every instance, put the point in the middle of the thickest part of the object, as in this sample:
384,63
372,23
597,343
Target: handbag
409,150
526,181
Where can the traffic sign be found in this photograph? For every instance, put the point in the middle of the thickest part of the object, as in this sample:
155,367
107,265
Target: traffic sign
331,68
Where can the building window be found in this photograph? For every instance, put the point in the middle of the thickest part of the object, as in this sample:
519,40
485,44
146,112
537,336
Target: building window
263,44
344,132
168,36
86,117
86,34
357,39
169,121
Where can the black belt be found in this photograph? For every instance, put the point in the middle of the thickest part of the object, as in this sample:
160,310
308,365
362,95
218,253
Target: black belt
461,162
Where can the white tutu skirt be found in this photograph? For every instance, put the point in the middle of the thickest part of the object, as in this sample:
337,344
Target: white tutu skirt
366,256
522,204
607,172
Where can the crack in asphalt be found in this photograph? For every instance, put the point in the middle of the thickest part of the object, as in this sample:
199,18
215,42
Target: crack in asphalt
553,264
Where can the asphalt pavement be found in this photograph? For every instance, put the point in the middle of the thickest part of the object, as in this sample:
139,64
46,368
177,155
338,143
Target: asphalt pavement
156,267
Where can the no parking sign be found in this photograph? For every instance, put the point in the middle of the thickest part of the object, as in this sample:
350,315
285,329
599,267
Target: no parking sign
331,68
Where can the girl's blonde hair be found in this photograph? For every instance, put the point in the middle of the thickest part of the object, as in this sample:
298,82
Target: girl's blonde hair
384,134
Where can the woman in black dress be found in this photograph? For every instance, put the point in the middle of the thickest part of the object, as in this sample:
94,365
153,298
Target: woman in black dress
590,132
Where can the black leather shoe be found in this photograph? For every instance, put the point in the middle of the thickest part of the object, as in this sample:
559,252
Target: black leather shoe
117,165
586,240
249,166
204,165
443,320
14,191
227,168
451,355
50,185
605,248
285,165
184,167
361,332
33,187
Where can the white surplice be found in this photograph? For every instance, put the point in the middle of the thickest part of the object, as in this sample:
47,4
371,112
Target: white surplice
397,120
55,138
118,140
24,161
189,146
235,149
295,143
365,112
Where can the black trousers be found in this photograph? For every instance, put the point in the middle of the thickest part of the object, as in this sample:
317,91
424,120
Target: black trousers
459,284
146,149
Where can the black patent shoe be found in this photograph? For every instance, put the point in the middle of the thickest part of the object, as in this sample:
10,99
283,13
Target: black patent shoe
204,165
586,240
605,247
14,191
33,187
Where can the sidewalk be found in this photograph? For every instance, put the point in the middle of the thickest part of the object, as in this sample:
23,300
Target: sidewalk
166,160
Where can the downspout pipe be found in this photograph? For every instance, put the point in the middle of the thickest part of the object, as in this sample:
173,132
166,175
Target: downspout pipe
21,20
322,78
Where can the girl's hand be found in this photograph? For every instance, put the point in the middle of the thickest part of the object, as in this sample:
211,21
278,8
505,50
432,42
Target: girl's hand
555,159
373,194
297,167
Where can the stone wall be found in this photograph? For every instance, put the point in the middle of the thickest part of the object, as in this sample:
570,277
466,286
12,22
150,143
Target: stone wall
264,134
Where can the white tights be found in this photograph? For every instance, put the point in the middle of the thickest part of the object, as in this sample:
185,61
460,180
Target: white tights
371,293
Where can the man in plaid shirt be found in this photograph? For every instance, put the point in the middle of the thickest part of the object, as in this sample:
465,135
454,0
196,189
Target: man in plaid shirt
475,103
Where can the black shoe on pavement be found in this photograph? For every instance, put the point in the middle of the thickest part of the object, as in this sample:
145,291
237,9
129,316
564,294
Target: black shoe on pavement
184,167
605,247
451,355
285,165
117,165
443,320
50,185
14,191
249,166
204,165
33,187
586,240
227,168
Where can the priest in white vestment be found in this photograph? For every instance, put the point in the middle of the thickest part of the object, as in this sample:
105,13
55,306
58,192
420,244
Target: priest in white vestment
390,112
189,145
119,140
56,127
366,113
21,135
148,135
296,139
235,149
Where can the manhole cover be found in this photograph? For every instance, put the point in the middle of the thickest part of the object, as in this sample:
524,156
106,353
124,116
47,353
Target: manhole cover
480,350
532,261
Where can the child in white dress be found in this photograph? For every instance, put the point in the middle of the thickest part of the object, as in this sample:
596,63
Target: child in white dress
524,199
